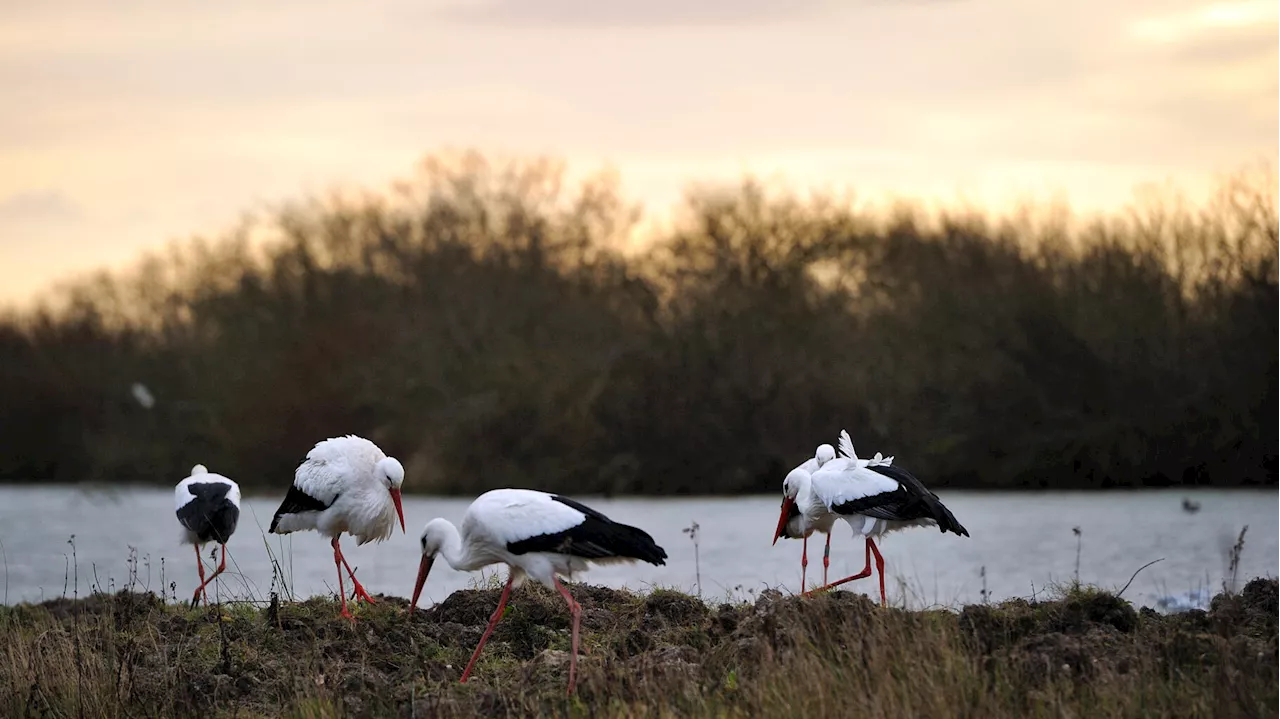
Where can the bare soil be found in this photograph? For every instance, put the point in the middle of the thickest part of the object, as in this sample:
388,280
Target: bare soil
664,653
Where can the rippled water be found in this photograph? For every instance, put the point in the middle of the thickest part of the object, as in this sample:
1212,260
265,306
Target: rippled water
1023,540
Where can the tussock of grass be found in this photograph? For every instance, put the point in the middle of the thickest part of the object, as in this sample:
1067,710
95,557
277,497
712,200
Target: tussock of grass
1084,653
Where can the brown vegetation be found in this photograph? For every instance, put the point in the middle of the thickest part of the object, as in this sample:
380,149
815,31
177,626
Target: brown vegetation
484,308
1088,653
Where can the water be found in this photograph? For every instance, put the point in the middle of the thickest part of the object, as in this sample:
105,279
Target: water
1024,541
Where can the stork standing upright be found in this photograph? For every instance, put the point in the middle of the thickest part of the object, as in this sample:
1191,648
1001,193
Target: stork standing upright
873,497
208,508
346,484
537,535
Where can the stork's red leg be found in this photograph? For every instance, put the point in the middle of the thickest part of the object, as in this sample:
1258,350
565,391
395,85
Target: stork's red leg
575,610
860,575
826,559
199,589
493,621
222,565
360,593
879,567
804,561
342,591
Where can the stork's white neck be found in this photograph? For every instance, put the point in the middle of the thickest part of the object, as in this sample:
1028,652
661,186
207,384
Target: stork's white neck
803,483
458,554
806,499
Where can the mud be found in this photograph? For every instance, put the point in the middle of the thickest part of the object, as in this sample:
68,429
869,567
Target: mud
130,654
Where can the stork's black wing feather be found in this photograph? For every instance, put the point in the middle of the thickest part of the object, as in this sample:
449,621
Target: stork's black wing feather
297,501
910,501
210,515
596,537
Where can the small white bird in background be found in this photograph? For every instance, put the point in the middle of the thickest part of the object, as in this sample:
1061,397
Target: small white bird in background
142,395
346,484
873,498
535,534
208,508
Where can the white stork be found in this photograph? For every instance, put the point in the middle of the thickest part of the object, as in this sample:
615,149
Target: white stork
873,497
346,484
208,508
535,534
795,523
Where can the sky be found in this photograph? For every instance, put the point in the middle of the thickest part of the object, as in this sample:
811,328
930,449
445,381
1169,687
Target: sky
133,123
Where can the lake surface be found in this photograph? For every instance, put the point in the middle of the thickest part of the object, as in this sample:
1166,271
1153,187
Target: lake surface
1024,541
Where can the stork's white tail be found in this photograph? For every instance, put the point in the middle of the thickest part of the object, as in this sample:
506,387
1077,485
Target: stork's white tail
846,445
846,448
879,460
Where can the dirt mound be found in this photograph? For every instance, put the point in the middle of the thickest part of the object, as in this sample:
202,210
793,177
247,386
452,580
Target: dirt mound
1260,595
1080,612
661,653
1252,611
123,604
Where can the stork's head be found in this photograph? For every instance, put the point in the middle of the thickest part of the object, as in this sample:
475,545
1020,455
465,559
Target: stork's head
433,538
825,454
796,479
390,472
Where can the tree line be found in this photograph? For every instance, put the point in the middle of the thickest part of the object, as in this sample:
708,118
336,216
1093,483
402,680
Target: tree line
491,324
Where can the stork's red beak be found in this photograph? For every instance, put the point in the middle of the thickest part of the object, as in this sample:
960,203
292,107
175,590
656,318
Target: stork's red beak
423,569
395,497
782,520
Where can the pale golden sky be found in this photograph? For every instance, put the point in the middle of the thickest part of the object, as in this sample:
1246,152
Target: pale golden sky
133,122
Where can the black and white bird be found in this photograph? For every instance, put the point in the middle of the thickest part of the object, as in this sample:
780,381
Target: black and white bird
536,535
795,525
208,508
872,496
346,484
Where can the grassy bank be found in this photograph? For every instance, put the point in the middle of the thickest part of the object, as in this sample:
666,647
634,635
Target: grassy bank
1086,653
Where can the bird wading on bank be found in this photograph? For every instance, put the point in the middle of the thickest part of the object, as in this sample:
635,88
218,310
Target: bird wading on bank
874,497
797,524
538,535
208,508
346,484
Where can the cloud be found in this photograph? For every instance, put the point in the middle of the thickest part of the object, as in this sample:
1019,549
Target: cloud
127,108
38,205
1178,26
634,13
1227,45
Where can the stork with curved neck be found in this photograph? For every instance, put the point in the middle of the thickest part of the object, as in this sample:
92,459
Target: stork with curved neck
872,495
536,535
794,522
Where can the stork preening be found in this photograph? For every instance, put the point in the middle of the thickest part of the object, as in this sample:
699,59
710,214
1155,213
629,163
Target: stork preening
536,535
794,524
208,508
346,484
872,496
